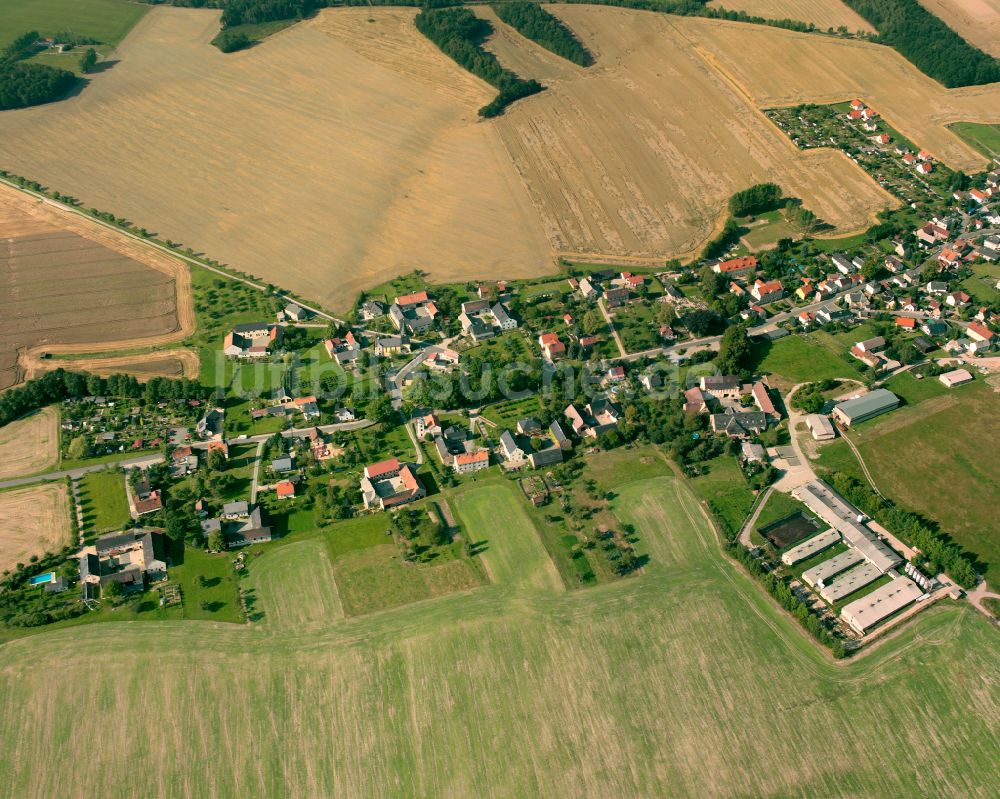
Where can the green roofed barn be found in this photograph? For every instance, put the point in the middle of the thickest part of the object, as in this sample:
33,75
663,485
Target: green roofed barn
860,409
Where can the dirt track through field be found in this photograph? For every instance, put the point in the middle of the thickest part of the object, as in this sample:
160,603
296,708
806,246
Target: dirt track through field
35,521
75,286
165,363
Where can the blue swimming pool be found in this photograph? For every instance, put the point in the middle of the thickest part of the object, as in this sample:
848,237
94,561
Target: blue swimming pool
41,579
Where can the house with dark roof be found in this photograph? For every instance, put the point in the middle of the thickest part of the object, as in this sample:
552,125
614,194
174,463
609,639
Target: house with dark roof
129,558
739,424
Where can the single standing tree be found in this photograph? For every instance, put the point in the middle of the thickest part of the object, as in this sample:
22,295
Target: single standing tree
88,60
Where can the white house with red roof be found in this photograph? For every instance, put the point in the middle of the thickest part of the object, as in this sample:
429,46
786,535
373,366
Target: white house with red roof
765,291
552,347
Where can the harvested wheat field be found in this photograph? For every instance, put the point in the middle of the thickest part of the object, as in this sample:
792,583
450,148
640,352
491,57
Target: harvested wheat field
775,67
166,363
333,156
29,445
639,154
976,21
824,14
35,521
72,285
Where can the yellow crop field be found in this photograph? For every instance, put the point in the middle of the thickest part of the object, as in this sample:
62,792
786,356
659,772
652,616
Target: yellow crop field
29,445
823,14
35,521
334,156
775,67
638,155
976,21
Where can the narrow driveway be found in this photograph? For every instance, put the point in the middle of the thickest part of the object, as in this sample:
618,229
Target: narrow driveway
255,480
748,526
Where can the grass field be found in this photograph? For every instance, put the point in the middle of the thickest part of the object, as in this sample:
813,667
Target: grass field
36,520
726,491
103,501
985,138
30,445
823,14
105,20
981,285
396,148
930,457
799,359
628,690
976,21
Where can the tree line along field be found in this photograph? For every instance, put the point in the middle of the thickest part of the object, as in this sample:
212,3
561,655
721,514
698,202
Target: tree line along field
682,681
368,160
824,14
71,285
976,21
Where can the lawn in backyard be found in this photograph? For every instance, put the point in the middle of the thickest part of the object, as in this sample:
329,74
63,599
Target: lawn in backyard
801,359
103,501
725,490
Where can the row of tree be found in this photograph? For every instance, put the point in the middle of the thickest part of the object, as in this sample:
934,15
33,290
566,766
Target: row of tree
460,35
537,24
60,385
928,43
936,547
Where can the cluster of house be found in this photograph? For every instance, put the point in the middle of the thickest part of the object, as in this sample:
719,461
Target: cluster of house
346,350
739,271
184,459
481,319
253,340
597,417
957,248
533,444
452,446
240,523
413,313
866,559
389,484
614,288
985,195
868,119
130,558
285,407
132,426
721,397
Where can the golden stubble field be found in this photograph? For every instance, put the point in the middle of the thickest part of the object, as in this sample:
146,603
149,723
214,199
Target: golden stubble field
823,14
976,21
335,155
30,444
638,155
70,285
35,521
775,67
